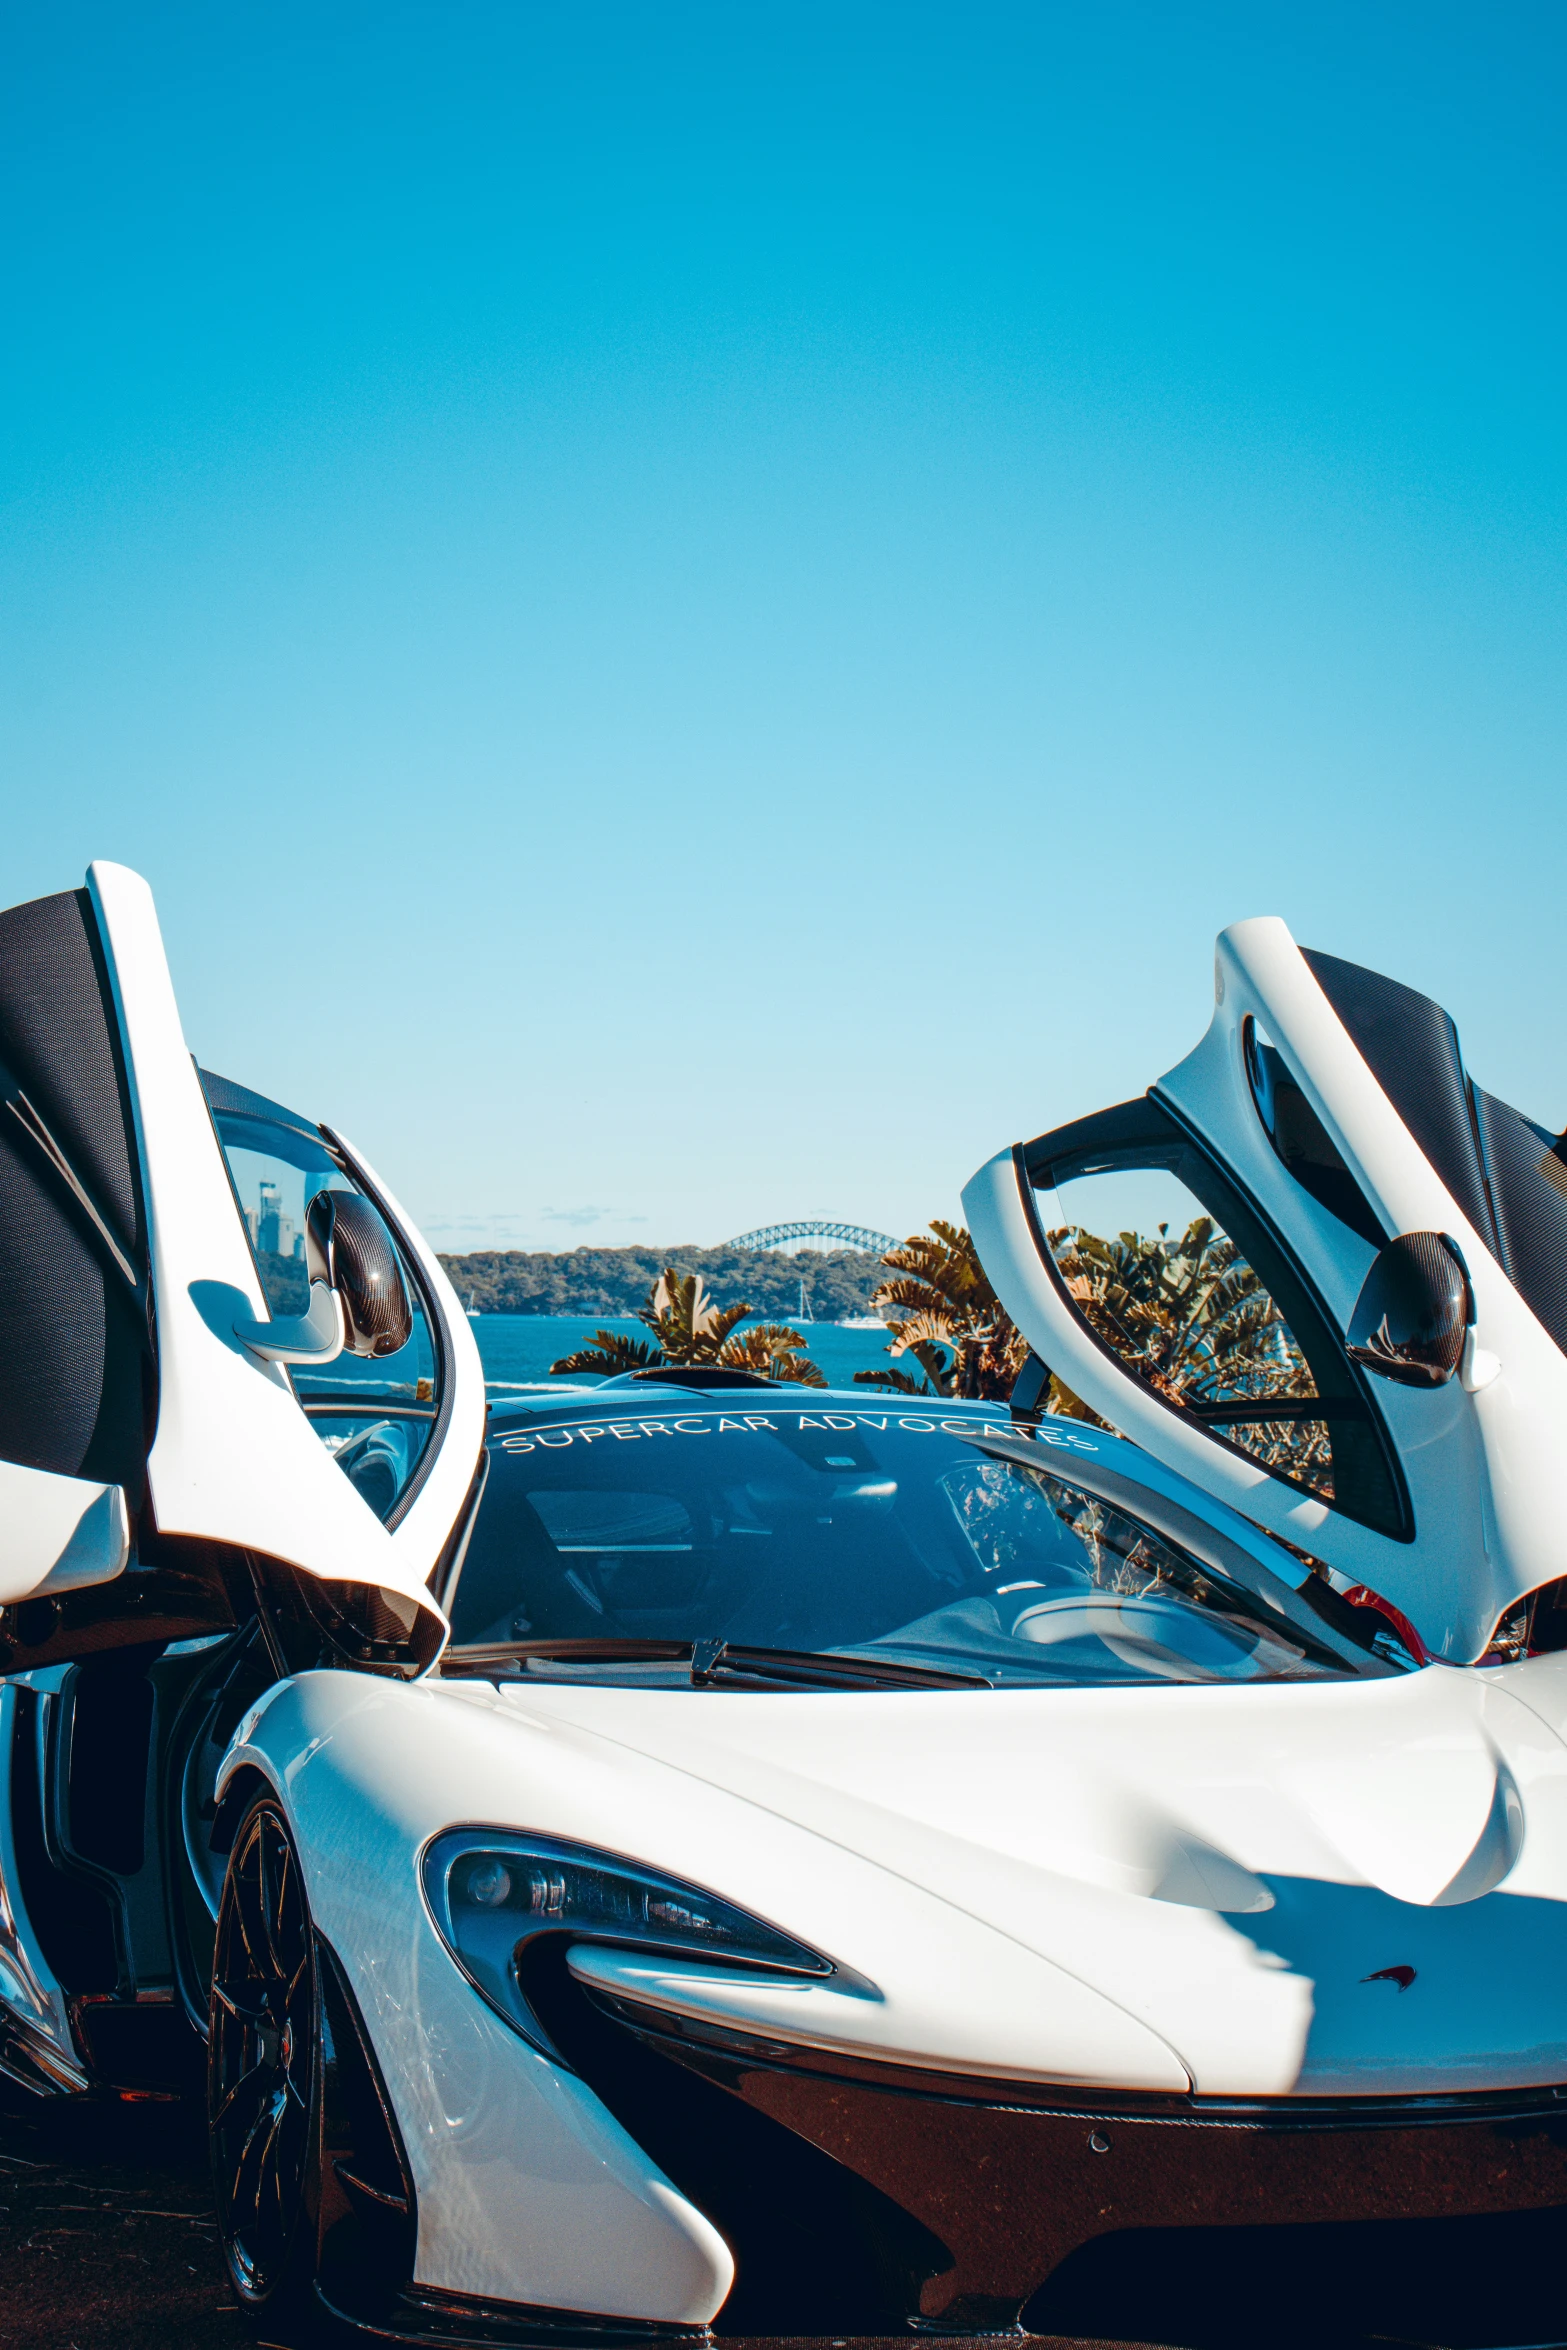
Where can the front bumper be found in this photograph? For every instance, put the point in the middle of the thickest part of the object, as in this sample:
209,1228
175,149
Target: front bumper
1015,2190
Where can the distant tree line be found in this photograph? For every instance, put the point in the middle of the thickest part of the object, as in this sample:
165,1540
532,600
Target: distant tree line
616,1281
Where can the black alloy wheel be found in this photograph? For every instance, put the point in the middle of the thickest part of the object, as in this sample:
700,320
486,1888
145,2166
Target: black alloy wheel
263,2064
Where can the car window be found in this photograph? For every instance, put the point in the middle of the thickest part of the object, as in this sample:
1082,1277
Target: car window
1181,1279
373,1415
276,1172
1300,1140
1165,1287
855,1531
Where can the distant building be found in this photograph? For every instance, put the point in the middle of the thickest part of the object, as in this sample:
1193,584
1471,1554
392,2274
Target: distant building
274,1232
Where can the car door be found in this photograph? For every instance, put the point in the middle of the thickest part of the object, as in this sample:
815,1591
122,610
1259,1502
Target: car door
1204,1267
160,1443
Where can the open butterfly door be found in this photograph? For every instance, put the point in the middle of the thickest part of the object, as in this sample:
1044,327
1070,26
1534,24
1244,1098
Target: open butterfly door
153,1436
1324,1276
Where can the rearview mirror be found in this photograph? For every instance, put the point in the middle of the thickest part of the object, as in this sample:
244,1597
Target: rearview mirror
1413,1310
349,1248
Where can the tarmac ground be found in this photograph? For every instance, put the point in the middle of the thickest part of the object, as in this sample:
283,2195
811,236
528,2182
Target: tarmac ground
107,2239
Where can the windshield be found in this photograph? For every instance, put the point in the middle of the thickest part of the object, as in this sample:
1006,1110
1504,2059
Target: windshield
858,1532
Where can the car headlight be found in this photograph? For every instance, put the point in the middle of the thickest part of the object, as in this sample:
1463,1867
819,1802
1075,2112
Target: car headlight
493,1894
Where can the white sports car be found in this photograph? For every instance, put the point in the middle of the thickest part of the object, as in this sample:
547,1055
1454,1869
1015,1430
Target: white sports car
697,1855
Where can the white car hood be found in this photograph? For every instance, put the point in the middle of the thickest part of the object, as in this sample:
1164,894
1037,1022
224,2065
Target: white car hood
1328,1888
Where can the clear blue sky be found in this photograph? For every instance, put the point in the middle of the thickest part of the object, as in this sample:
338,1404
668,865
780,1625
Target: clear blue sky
698,612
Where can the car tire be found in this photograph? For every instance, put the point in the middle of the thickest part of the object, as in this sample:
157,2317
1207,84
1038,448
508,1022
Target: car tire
264,2075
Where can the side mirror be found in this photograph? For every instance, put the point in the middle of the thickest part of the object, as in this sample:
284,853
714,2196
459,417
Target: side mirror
349,1248
1413,1311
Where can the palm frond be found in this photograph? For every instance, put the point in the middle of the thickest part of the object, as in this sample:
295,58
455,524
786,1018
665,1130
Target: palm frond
683,1318
946,1263
923,1329
917,1296
610,1354
775,1351
936,1366
898,1381
940,1297
714,1333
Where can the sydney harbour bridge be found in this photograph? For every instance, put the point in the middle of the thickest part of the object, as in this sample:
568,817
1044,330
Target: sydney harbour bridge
860,1236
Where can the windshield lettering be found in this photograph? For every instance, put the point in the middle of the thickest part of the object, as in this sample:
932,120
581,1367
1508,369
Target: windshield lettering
628,1431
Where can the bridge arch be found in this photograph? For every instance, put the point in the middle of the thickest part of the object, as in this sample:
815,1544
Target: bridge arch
859,1236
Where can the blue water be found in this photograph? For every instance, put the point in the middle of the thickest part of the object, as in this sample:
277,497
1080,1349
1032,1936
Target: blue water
518,1349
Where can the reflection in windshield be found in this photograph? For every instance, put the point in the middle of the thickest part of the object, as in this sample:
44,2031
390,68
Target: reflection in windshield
848,1531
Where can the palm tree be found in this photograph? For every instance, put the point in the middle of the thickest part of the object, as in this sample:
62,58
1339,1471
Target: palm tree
691,1331
1191,1318
953,1324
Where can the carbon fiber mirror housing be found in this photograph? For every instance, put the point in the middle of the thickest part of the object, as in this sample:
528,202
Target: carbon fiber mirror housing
349,1248
1413,1310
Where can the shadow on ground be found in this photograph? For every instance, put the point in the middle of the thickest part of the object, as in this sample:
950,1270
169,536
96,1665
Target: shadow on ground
107,2240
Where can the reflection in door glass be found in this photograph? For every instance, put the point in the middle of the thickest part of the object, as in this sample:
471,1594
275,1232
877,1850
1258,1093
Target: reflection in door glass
373,1415
378,1454
1167,1290
276,1174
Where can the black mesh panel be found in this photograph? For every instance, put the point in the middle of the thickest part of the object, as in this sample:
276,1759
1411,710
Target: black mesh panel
1411,1048
52,1317
72,1342
57,1041
1529,1188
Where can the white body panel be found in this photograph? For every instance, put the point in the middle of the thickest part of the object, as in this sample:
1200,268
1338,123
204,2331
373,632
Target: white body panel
61,1533
528,2190
1224,1865
1487,1471
234,1459
1137,1888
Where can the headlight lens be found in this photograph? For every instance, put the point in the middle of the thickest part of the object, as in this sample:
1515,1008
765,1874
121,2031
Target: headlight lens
493,1893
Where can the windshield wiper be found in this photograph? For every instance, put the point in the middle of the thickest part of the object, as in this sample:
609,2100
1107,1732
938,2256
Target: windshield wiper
713,1662
609,1649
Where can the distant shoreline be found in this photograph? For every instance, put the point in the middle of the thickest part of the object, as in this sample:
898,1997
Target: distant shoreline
633,1321
519,1351
614,1282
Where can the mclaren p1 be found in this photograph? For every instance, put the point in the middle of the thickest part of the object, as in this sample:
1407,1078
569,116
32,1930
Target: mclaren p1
698,1856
